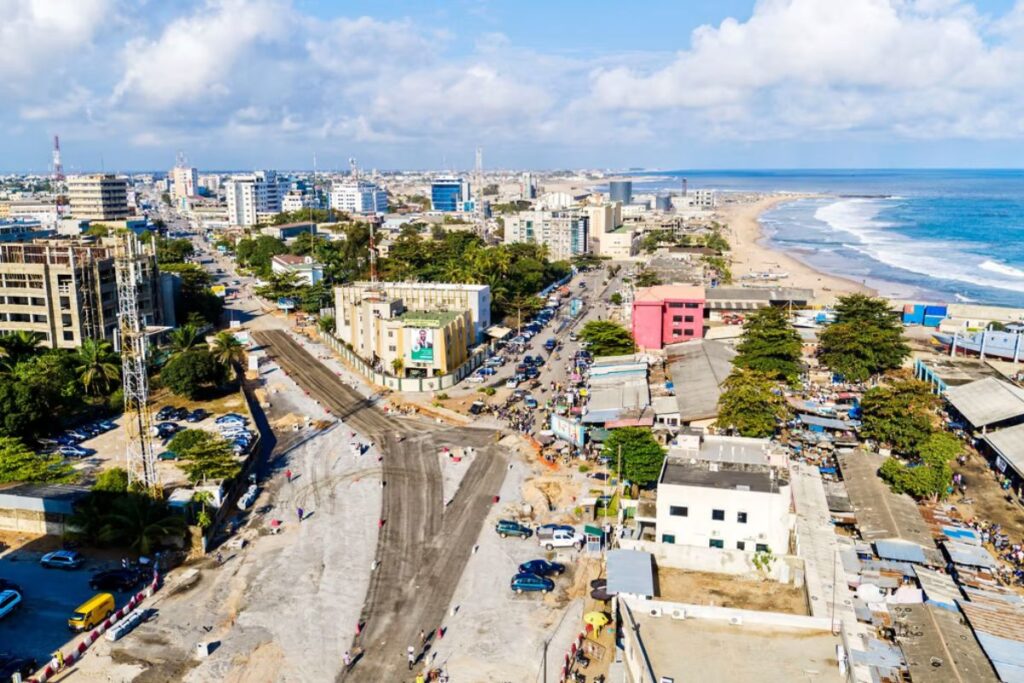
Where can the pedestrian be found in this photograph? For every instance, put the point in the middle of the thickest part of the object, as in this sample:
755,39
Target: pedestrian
346,659
423,637
411,651
419,678
220,558
288,475
301,513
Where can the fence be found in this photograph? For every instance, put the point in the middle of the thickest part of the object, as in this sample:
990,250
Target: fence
436,383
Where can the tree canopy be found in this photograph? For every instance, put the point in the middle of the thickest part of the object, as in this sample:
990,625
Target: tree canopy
209,458
196,296
256,253
189,373
770,345
18,462
928,474
898,414
606,338
750,404
865,340
642,455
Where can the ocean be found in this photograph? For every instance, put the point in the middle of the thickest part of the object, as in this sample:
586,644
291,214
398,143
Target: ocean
935,235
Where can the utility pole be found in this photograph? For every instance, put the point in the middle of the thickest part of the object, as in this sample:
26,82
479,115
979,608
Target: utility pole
545,662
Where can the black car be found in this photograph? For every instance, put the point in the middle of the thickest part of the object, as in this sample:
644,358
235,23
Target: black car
477,407
180,414
10,665
115,579
541,567
6,585
166,413
197,415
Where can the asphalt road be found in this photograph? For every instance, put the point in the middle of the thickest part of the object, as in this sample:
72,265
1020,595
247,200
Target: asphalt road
425,541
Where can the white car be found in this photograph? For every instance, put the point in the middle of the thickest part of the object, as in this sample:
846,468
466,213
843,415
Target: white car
512,383
476,378
9,601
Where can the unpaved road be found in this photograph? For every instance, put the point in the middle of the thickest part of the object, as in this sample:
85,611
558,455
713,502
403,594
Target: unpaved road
425,541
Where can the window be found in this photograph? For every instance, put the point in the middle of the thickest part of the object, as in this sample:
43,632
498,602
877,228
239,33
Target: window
69,336
689,318
668,538
740,545
716,543
761,548
691,305
718,515
678,511
391,333
675,304
741,517
678,318
689,333
676,333
392,348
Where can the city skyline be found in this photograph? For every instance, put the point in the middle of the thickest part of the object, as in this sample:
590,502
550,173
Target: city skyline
245,84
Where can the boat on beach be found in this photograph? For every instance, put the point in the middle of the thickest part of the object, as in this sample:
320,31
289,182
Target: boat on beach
1006,343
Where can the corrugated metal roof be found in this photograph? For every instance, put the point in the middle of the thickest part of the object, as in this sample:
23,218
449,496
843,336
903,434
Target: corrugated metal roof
939,589
1000,632
938,647
970,555
630,571
1009,444
698,369
828,422
987,401
903,551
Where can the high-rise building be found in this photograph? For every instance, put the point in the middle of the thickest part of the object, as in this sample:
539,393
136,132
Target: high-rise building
528,187
184,182
565,233
450,194
358,196
98,197
66,290
621,191
253,196
297,200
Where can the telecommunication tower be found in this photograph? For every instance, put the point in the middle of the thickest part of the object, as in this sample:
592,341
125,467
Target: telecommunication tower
58,167
139,454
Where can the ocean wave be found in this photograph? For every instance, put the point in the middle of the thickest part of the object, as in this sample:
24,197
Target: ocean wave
1002,269
931,258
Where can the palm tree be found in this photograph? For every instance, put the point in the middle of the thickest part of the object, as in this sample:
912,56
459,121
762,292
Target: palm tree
97,366
20,345
398,365
184,338
141,522
227,350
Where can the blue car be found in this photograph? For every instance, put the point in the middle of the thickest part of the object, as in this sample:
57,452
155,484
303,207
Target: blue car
531,583
541,568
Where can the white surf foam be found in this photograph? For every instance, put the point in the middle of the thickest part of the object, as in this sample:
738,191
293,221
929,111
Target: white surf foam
1002,269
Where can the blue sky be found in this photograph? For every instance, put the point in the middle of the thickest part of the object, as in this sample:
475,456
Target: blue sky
238,84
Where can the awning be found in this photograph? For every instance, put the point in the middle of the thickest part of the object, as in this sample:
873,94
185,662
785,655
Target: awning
598,434
498,332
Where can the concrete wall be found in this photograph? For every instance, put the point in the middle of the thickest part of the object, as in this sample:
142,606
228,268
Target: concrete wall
693,558
31,522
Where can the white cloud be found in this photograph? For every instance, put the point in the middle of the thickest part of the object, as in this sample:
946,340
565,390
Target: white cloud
801,66
38,34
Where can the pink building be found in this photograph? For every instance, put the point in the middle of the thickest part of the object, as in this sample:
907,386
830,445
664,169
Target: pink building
667,314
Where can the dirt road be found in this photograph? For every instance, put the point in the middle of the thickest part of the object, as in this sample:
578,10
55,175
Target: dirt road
425,541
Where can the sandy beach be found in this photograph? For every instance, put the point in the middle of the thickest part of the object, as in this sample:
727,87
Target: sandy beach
750,255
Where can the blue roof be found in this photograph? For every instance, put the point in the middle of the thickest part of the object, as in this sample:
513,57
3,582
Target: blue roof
970,555
901,551
630,571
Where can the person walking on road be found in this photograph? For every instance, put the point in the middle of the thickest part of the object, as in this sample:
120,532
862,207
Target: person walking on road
423,637
288,475
411,651
301,513
346,659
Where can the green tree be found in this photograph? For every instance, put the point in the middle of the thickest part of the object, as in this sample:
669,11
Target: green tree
616,298
720,266
898,414
212,459
398,365
19,463
99,368
750,404
227,350
647,278
114,480
173,251
865,340
187,439
770,345
141,523
606,338
196,296
929,473
255,254
184,339
188,374
642,455
327,324
18,346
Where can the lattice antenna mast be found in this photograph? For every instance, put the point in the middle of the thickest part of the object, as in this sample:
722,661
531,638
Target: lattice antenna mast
58,167
139,454
478,180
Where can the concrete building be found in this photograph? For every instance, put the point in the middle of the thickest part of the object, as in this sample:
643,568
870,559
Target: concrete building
297,200
98,197
288,231
304,268
252,196
20,230
565,233
210,183
43,211
725,493
67,291
696,199
359,196
528,187
403,342
450,194
184,182
36,509
667,314
428,296
621,191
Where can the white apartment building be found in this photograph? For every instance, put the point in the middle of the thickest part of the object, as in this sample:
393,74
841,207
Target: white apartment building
297,200
98,197
184,182
251,196
730,493
358,196
696,199
45,212
210,183
565,233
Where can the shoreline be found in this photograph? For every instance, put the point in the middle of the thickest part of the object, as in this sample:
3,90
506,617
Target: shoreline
749,253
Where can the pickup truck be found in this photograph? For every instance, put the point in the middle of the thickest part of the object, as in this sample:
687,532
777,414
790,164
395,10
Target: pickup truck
561,538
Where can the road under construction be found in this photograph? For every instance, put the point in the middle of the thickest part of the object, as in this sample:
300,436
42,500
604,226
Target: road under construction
424,541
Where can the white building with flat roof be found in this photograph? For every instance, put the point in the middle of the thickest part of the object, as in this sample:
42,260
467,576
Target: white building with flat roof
726,493
358,196
251,196
184,182
565,233
304,268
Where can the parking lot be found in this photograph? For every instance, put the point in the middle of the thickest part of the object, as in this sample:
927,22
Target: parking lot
49,597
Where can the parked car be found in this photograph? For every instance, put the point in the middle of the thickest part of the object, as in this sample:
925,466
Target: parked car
546,530
92,612
9,601
512,383
530,402
197,415
11,664
180,414
171,427
476,377
541,568
572,336
67,440
527,583
486,371
165,413
563,539
62,559
115,579
73,451
477,407
506,528
231,417
531,372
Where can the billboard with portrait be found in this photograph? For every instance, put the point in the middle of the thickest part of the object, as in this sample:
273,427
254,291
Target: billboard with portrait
421,344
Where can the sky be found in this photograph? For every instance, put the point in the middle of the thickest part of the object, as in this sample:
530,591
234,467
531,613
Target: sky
553,84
